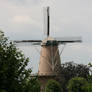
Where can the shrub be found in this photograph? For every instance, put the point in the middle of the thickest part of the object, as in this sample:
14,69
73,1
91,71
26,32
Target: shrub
53,86
76,84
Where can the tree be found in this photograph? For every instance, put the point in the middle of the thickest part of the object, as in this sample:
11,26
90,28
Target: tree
87,87
76,84
70,70
53,86
14,77
90,79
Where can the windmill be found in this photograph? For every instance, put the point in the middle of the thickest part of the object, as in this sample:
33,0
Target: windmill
50,62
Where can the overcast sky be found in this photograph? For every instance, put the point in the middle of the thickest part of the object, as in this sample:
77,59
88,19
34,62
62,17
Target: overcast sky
23,19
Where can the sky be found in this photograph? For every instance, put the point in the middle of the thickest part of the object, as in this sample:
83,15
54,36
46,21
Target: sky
23,19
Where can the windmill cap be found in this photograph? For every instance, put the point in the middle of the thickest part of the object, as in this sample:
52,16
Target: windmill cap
49,41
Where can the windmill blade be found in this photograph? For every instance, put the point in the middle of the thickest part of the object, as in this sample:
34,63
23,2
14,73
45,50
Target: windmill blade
33,42
46,21
63,40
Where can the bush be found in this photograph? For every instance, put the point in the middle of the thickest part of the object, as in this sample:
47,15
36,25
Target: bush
33,86
53,86
76,84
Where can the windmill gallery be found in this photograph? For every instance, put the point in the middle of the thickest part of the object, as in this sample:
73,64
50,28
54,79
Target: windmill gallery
50,63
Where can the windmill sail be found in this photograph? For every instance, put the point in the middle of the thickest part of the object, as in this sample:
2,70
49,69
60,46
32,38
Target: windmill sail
33,42
62,40
46,21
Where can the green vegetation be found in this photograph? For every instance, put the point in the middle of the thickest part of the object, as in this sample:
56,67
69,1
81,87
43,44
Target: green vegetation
70,70
33,86
79,84
87,88
14,77
76,84
53,86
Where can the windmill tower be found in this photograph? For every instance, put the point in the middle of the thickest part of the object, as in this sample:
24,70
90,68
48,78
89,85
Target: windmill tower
50,63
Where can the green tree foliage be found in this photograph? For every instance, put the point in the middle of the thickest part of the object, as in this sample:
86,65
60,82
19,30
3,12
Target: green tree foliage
14,77
90,79
76,84
34,87
87,87
53,86
70,70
